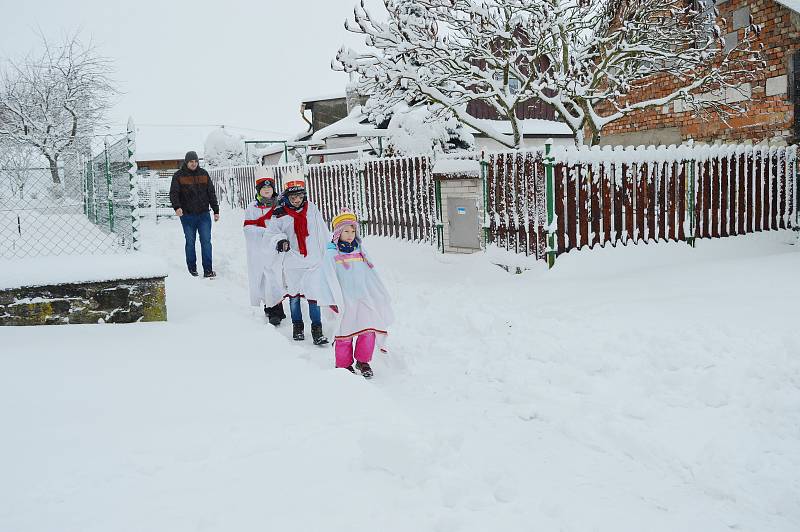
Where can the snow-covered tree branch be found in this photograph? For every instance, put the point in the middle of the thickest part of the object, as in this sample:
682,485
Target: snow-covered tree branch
17,162
52,99
592,61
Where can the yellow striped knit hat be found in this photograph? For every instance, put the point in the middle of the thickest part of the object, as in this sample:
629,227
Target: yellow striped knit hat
340,221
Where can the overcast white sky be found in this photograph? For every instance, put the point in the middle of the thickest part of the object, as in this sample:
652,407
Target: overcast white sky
181,62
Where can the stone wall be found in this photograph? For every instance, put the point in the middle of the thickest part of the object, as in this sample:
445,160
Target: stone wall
771,113
124,301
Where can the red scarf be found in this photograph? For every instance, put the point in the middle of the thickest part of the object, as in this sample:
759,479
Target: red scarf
261,221
300,226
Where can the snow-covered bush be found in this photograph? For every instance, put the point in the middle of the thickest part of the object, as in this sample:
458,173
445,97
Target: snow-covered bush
418,130
224,148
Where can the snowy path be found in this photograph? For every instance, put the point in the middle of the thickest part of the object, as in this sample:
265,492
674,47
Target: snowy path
654,388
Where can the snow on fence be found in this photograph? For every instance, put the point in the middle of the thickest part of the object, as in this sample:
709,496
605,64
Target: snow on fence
648,194
393,197
86,205
236,184
153,193
400,198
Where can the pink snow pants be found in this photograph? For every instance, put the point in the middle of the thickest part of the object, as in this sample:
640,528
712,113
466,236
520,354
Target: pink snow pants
365,344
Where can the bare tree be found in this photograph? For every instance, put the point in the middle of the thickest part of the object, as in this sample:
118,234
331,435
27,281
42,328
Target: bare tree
54,99
17,163
592,61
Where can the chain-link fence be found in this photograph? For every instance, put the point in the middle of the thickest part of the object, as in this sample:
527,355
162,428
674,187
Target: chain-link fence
80,204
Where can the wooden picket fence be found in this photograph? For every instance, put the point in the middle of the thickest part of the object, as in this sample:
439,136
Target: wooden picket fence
393,197
650,194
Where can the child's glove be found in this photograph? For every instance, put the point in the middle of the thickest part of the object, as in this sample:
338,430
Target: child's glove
282,246
335,309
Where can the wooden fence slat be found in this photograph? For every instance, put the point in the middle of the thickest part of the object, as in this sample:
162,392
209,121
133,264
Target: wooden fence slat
595,202
629,201
681,196
721,205
560,207
572,207
581,186
774,188
606,186
758,187
741,202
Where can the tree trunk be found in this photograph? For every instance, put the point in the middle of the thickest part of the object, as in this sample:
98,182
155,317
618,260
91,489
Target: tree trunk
54,170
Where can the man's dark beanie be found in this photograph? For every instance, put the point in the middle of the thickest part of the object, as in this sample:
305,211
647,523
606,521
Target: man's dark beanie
191,156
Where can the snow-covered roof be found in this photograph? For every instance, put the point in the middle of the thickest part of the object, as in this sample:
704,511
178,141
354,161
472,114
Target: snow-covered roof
275,148
354,124
339,150
794,5
457,167
163,156
532,126
322,98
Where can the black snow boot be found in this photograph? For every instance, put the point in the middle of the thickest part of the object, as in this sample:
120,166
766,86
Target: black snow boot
365,369
193,273
316,334
275,314
297,333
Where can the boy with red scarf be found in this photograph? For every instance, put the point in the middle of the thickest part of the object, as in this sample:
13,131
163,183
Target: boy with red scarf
264,286
299,232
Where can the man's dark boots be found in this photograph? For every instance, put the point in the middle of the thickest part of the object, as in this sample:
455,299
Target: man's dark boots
297,332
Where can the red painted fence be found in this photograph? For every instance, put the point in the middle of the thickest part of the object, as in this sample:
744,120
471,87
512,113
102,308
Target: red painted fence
649,194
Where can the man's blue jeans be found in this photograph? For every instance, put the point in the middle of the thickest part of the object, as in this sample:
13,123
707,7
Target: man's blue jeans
192,225
297,313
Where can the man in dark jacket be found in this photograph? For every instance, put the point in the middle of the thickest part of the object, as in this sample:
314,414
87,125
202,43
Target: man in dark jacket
192,194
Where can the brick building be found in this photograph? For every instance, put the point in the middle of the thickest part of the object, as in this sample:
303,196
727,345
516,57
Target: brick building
774,112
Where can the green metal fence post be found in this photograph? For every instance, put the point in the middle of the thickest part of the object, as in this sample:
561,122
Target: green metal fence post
94,192
550,193
85,180
132,182
110,184
484,174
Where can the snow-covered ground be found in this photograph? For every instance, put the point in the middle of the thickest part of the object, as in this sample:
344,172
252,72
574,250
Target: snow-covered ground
644,388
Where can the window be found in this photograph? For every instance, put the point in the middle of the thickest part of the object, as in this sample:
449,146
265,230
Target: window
513,83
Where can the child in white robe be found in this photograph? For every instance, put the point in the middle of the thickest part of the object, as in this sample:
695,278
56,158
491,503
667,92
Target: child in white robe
296,239
264,286
350,285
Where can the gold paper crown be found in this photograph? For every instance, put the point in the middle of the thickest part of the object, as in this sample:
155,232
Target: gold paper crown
295,183
343,217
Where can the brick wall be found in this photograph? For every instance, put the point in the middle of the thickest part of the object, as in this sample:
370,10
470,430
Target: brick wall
770,114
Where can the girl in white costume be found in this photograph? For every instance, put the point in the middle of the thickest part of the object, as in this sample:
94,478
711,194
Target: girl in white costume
348,282
265,286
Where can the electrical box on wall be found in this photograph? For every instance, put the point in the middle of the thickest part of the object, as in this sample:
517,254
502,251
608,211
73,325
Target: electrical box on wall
462,218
